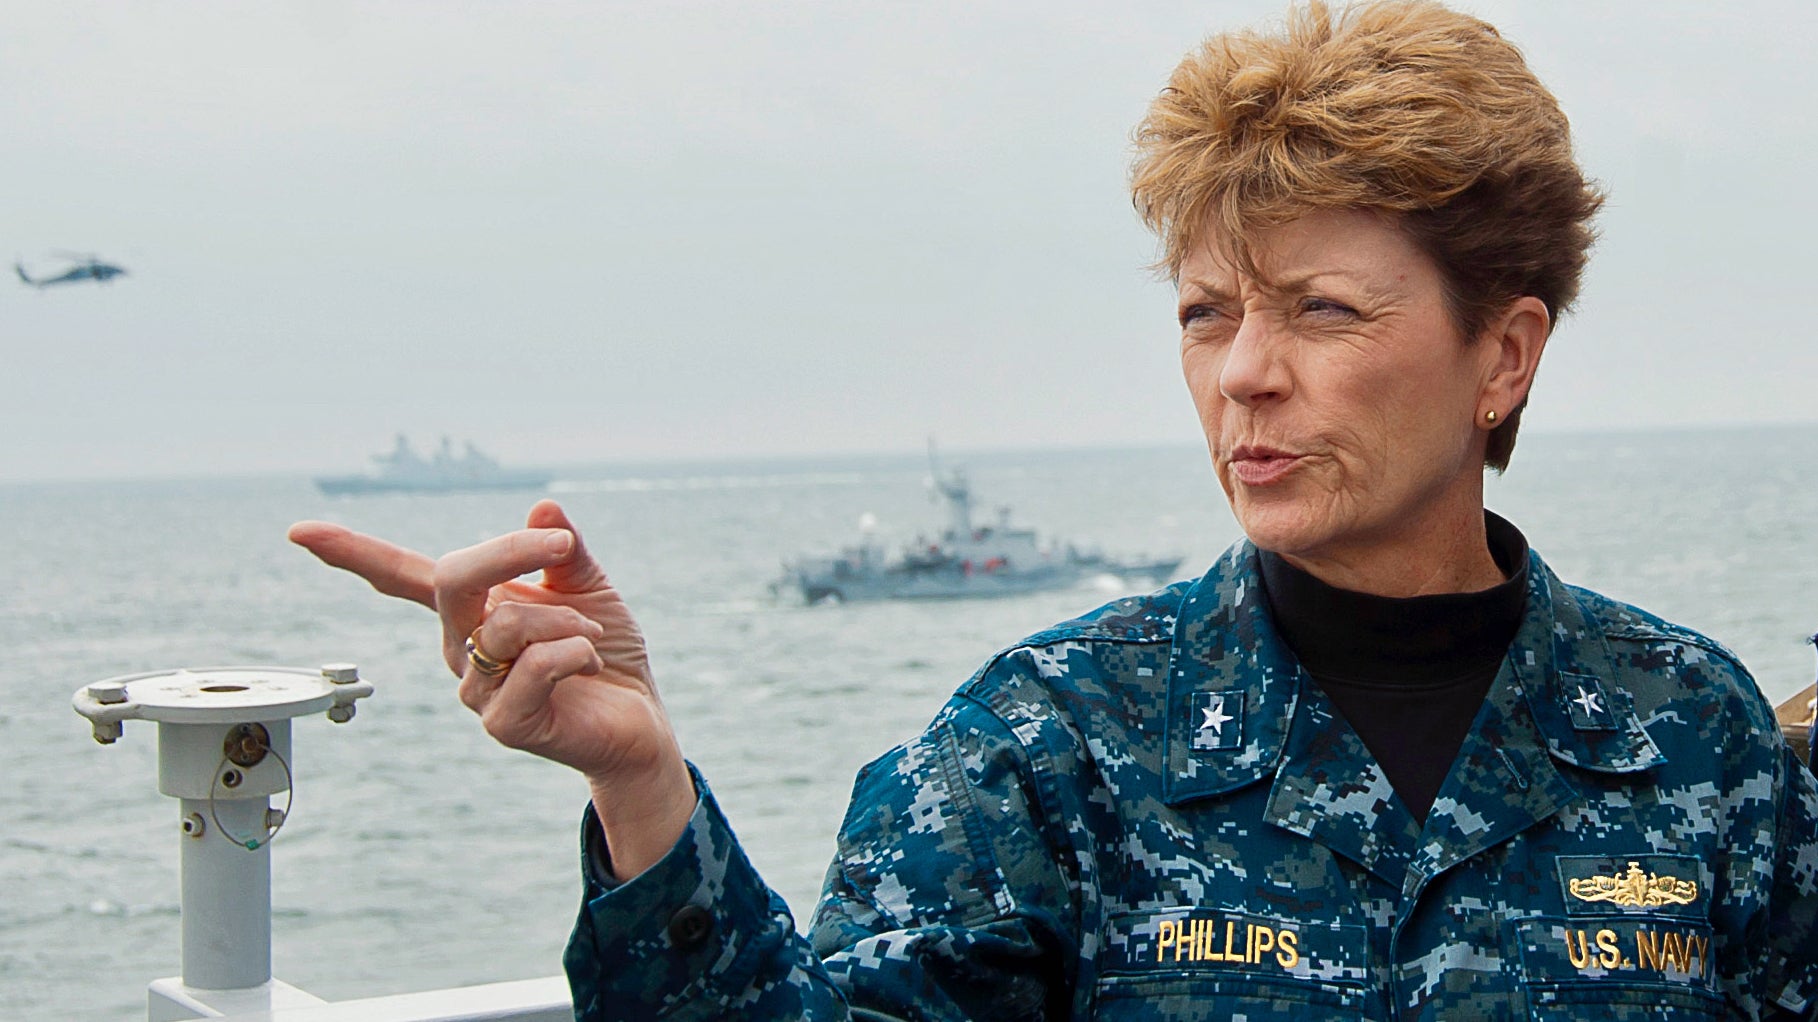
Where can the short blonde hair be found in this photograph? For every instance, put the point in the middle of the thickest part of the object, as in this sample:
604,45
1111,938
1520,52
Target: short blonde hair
1400,106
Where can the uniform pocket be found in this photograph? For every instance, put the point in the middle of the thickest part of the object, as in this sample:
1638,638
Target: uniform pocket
1617,967
1618,1002
1180,997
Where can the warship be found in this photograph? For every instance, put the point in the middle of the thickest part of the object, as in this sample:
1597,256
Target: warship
967,560
403,470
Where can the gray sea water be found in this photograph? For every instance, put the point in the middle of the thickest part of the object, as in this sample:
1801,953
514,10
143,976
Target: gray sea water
420,855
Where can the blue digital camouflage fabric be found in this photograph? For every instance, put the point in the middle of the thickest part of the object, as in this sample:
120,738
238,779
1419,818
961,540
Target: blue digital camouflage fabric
1152,813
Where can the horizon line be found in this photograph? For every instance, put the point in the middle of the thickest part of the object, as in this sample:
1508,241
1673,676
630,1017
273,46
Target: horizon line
809,458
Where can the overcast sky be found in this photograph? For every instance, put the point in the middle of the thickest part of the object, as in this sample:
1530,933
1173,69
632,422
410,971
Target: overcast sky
586,231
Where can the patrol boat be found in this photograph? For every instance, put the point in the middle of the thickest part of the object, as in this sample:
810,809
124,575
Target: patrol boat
1798,716
403,470
967,560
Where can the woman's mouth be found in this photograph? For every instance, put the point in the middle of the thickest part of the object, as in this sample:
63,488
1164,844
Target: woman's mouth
1261,466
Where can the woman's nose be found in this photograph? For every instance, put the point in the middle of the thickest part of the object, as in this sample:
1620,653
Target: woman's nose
1255,370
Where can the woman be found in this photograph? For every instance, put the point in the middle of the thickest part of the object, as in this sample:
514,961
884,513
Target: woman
1377,763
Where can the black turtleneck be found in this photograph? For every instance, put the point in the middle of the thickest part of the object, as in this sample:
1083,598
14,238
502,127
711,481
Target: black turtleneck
1408,674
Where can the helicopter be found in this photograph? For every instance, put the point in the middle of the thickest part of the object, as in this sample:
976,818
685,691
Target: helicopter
87,267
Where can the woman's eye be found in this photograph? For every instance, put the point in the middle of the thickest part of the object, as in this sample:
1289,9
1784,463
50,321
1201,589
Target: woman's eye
1191,314
1325,306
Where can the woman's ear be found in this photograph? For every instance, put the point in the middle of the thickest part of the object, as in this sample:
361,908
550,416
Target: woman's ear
1516,337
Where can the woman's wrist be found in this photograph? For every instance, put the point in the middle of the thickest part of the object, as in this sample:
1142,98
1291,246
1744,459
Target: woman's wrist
642,819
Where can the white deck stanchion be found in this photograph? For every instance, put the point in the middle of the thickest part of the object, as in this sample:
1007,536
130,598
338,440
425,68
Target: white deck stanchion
224,750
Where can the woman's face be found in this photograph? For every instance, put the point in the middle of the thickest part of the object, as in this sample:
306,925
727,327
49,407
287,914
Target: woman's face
1341,407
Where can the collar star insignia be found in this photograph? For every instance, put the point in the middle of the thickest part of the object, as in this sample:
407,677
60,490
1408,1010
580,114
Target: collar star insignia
1589,701
1215,717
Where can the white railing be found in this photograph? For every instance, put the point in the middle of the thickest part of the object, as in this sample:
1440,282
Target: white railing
525,1000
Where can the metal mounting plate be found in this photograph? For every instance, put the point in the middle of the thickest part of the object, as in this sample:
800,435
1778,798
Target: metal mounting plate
217,695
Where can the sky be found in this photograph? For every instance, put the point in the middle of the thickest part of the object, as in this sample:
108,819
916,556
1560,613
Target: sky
621,232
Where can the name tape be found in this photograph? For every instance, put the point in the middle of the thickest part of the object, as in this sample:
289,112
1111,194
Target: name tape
1202,939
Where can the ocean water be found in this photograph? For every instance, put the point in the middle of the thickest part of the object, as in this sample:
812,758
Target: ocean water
421,855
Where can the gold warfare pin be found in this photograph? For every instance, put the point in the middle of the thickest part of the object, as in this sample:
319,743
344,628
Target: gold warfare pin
1635,888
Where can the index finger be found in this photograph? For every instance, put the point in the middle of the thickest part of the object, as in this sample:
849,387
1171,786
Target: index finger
465,577
387,567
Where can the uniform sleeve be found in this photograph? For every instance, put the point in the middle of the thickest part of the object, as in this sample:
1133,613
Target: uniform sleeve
698,935
943,902
1791,961
948,898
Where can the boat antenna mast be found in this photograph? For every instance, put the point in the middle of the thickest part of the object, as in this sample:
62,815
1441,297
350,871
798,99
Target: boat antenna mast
956,491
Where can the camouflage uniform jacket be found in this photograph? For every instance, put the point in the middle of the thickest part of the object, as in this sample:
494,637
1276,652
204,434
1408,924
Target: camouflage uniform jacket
1153,813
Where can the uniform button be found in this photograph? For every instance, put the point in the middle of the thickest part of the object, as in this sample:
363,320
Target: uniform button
689,927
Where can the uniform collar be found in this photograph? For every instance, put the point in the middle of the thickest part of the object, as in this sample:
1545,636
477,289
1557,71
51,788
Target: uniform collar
1573,685
1234,686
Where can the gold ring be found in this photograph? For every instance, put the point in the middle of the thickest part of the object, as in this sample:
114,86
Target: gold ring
482,662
